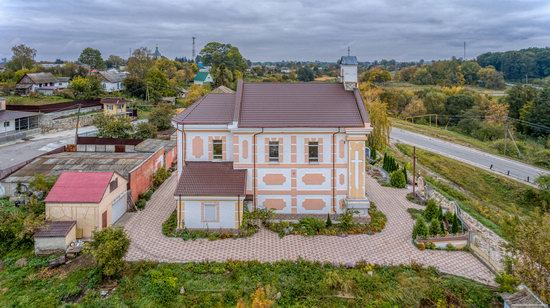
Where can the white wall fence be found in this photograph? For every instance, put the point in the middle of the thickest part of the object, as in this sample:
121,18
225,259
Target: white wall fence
483,242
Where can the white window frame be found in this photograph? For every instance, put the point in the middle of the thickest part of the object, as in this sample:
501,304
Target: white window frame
310,145
273,159
214,155
216,209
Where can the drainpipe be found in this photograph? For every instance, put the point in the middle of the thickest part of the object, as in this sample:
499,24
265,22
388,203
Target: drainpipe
254,165
179,213
334,172
239,210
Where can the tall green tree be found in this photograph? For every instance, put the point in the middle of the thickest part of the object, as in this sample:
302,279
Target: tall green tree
161,116
215,54
92,57
22,58
490,78
114,61
470,70
517,97
86,87
113,126
540,112
157,85
305,74
140,63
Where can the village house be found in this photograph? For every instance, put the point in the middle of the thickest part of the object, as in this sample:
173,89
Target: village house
12,121
114,106
42,83
295,148
203,77
111,80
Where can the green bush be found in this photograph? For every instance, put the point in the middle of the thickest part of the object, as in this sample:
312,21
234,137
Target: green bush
432,210
435,227
397,179
420,229
311,225
108,248
389,164
507,282
162,285
160,176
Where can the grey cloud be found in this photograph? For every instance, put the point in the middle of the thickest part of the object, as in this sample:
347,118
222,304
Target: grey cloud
276,30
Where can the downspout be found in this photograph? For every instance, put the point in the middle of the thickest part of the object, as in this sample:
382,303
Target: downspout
184,141
179,213
254,165
239,210
334,172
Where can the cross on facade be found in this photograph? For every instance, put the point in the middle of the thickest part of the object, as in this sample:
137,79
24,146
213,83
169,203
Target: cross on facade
356,162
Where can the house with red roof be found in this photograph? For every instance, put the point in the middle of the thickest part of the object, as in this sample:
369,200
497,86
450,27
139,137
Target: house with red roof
95,200
295,148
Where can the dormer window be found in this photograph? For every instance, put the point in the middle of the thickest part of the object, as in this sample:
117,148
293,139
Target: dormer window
217,149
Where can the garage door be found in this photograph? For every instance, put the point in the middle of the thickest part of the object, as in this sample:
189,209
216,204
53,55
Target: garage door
119,208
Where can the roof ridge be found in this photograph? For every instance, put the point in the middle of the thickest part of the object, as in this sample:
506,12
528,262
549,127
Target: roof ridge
192,107
361,105
238,100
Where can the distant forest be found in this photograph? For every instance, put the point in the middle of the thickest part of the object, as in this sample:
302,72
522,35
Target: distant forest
519,64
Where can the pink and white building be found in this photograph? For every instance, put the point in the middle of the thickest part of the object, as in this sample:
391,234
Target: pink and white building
296,148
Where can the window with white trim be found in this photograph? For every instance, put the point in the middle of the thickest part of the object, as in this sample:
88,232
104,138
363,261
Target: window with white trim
210,212
313,151
274,151
217,149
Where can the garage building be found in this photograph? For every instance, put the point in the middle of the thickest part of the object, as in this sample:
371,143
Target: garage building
95,200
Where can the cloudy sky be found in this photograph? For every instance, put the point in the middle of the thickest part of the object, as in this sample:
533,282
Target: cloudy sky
276,29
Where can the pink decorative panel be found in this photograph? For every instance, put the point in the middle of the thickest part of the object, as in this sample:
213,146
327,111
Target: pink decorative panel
274,179
198,147
313,179
313,204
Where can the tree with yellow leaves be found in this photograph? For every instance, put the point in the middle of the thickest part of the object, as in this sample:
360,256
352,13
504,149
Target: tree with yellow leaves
378,117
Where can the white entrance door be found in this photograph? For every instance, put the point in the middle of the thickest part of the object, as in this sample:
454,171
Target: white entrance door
119,207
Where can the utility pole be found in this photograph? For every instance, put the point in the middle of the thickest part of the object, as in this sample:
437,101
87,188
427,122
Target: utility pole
77,124
506,137
414,169
464,58
193,52
348,51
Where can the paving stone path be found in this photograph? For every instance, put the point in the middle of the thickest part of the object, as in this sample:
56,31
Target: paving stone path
391,246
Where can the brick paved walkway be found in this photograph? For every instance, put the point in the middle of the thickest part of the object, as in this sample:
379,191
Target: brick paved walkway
391,246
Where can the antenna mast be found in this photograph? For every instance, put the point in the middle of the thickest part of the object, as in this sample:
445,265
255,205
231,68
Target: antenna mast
464,51
348,51
193,52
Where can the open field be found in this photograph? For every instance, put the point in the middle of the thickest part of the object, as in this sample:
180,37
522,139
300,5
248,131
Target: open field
414,87
303,284
33,101
488,197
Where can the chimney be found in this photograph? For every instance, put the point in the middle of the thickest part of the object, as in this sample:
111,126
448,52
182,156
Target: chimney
348,72
2,103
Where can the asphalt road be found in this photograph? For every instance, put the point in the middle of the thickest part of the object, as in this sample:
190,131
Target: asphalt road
16,152
517,170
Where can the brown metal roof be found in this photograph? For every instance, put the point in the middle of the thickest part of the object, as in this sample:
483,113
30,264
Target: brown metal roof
298,105
214,108
280,105
211,179
55,229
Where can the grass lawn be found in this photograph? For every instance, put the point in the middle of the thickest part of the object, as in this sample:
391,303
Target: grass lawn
458,138
489,197
33,101
298,284
415,87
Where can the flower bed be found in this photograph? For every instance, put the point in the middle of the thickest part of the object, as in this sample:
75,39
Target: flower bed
435,229
250,225
314,226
